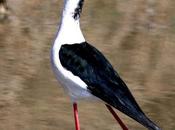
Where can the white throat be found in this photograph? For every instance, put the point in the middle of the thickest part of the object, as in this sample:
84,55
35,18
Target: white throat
69,30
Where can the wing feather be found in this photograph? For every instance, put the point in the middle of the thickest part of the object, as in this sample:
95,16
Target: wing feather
103,81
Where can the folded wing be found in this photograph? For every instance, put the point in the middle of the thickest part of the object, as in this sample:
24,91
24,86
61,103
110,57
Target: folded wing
86,62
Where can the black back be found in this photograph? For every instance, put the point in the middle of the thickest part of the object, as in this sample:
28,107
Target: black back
86,62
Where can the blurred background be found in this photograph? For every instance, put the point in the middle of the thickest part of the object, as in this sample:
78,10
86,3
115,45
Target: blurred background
137,36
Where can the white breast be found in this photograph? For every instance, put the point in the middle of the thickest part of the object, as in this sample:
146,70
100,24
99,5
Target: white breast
73,85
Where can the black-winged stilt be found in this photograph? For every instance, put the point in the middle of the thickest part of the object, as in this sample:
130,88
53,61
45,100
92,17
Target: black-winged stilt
86,74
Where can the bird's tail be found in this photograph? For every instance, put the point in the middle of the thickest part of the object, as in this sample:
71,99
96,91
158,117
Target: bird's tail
140,117
145,121
127,104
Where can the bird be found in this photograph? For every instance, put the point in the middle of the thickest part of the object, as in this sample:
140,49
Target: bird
85,73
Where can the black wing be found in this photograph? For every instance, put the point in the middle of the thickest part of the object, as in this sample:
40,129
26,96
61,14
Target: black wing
86,62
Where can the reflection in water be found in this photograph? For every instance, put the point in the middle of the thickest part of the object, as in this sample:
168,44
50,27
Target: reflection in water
29,94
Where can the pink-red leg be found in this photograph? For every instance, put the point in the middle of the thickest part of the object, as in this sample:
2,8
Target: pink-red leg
77,124
123,126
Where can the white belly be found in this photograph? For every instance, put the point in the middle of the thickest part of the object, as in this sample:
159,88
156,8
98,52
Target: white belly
73,85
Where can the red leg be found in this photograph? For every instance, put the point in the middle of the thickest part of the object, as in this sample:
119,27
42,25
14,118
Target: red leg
77,124
123,126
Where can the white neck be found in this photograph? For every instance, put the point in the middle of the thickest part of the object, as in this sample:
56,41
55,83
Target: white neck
69,30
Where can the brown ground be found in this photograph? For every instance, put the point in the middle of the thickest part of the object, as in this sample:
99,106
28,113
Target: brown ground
137,36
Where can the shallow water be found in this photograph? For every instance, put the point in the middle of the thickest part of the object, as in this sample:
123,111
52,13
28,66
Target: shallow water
138,42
